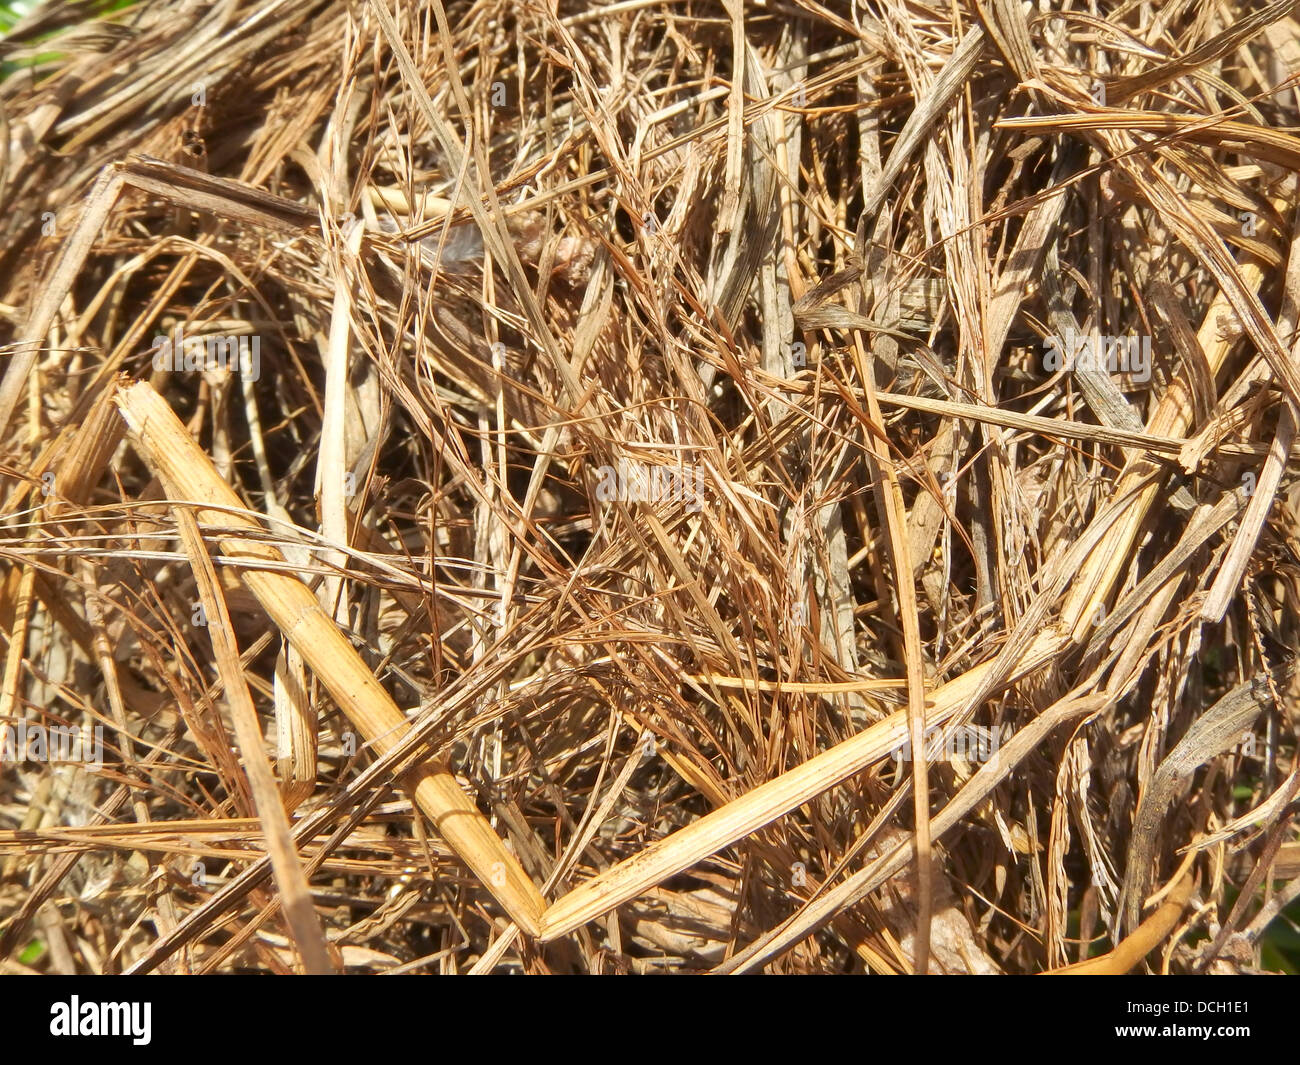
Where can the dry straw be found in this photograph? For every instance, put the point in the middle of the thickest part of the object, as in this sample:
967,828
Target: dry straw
666,402
191,480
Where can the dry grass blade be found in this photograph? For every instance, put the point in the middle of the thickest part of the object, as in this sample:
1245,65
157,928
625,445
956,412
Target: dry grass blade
289,878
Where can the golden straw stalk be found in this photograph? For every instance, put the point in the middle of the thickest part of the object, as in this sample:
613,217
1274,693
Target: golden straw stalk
189,476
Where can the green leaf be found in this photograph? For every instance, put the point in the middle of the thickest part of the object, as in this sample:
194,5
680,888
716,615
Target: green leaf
31,952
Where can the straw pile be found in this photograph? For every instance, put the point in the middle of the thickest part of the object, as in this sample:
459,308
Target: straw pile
603,488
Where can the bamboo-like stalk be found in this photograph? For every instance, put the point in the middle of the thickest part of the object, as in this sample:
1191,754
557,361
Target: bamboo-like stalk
1144,939
190,477
767,802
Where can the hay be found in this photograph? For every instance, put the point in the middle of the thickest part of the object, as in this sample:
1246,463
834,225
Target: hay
604,488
